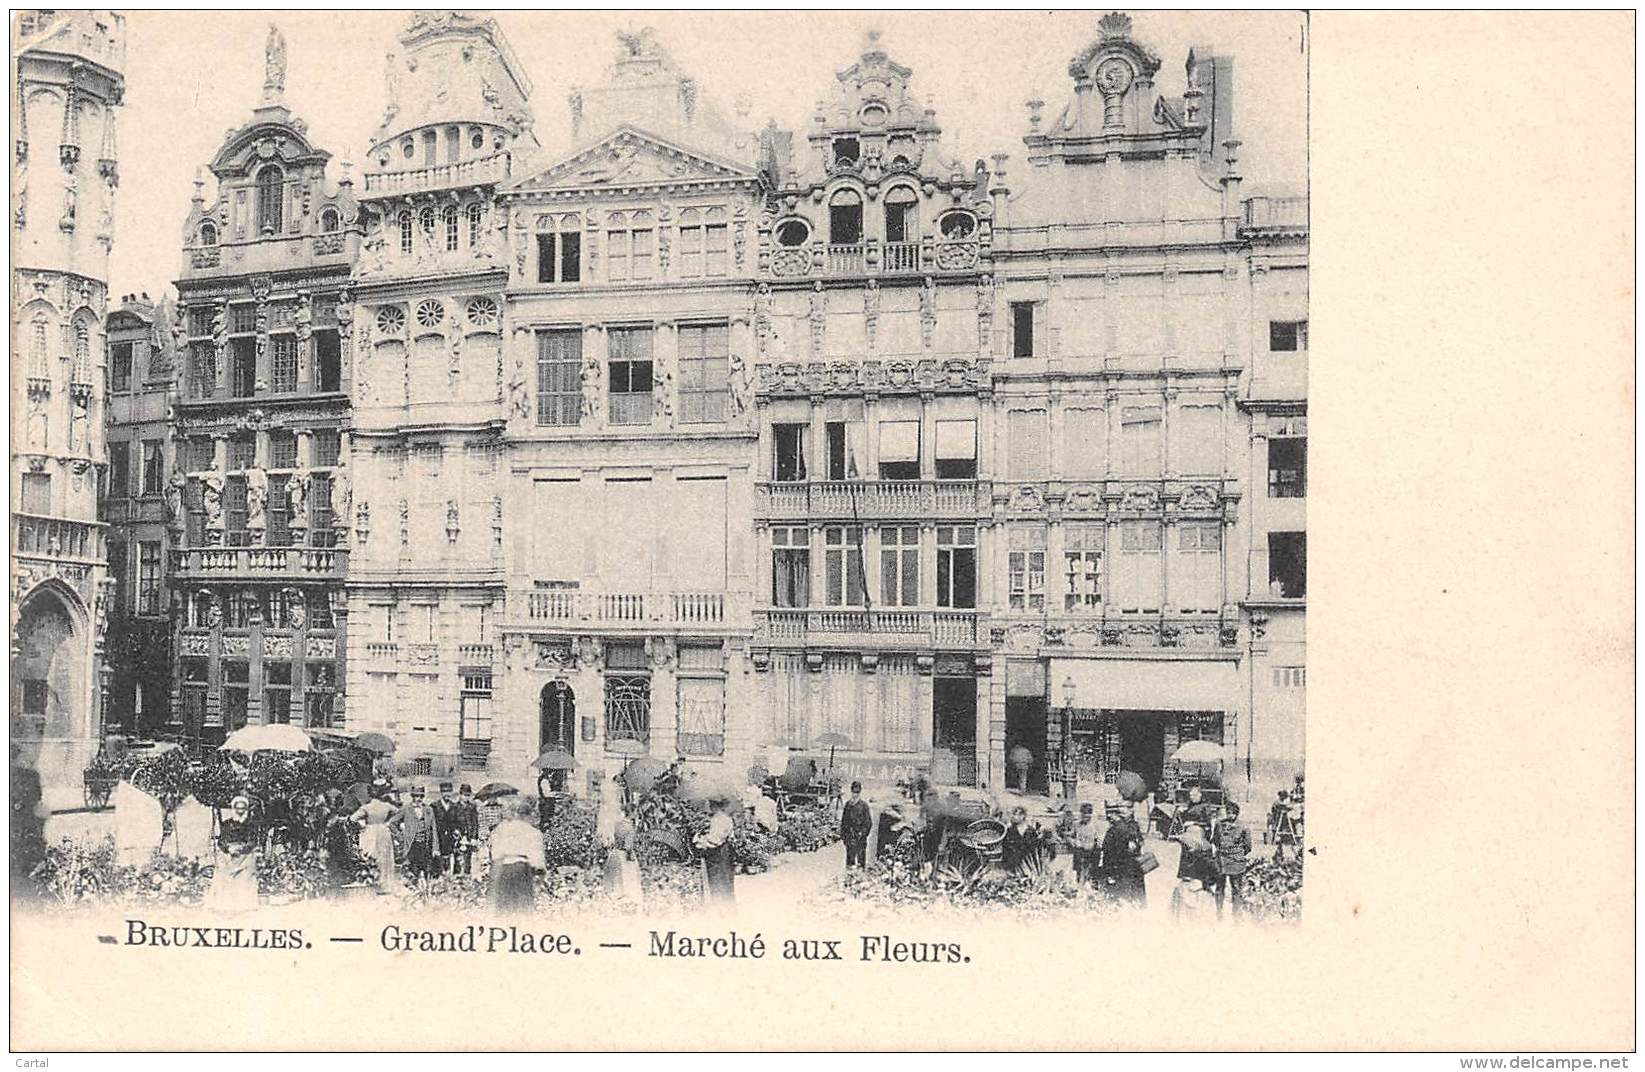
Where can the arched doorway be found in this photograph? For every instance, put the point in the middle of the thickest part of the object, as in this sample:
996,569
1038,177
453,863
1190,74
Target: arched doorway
557,718
48,678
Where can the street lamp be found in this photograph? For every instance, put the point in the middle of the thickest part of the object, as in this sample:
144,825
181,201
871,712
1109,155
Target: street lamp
1070,772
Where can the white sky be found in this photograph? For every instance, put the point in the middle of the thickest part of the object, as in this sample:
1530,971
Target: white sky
191,76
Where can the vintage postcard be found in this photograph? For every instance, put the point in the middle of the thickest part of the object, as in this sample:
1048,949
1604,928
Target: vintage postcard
784,509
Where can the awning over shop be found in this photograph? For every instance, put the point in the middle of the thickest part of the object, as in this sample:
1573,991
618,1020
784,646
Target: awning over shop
1147,684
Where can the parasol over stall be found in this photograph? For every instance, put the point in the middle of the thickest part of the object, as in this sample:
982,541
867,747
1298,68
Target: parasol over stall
642,773
1198,752
273,737
380,743
554,759
493,790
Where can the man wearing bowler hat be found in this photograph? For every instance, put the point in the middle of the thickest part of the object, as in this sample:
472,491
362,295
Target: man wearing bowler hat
419,834
445,841
466,826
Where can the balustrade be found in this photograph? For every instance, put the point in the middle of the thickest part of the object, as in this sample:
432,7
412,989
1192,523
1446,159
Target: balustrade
943,628
825,500
584,605
57,537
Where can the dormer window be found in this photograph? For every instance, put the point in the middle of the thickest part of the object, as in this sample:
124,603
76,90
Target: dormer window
792,233
208,234
902,215
270,199
846,152
845,218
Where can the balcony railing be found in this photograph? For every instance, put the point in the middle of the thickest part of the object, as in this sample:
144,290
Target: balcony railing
637,608
850,500
839,626
314,562
1276,214
35,535
825,259
464,172
474,654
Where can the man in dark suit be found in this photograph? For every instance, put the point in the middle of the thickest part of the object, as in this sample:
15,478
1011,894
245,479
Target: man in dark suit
445,812
466,828
855,824
418,833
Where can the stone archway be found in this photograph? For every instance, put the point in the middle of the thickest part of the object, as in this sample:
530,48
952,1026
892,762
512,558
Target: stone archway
50,668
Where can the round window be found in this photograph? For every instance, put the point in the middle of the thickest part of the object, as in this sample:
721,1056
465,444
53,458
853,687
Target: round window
430,312
408,147
391,319
793,233
482,312
873,115
959,225
478,141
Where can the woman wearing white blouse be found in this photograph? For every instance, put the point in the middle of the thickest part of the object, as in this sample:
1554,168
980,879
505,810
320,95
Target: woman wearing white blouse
516,848
716,846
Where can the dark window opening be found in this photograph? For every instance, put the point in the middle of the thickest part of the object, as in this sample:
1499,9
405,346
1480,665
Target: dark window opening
957,225
847,151
270,199
328,362
120,366
545,258
1287,468
1287,335
845,219
956,567
842,450
1022,329
790,444
901,219
571,257
243,367
1288,565
793,233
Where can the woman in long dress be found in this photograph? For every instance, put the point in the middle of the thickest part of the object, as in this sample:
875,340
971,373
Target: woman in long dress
716,846
234,878
376,839
516,849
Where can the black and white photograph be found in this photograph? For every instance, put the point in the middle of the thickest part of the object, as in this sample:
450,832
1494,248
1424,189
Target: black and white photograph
479,472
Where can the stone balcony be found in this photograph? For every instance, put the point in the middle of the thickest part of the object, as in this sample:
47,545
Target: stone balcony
825,260
632,609
873,500
256,563
489,169
59,538
855,628
1277,216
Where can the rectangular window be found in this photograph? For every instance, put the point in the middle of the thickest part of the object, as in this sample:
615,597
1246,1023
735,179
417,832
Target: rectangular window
1140,440
321,696
203,369
279,513
242,319
36,493
789,464
1196,437
117,573
283,364
691,250
154,467
1288,468
957,566
120,366
957,450
277,691
321,523
900,566
630,375
326,445
571,256
1288,565
119,470
199,320
282,450
899,450
844,448
547,258
705,373
1289,677
148,577
236,688
243,367
790,567
1287,335
328,361
628,707
1027,441
630,253
194,512
1082,561
559,377
201,454
1026,567
1138,580
242,451
1022,329
234,511
422,621
702,716
319,609
1196,574
842,566
716,240
474,713
1084,443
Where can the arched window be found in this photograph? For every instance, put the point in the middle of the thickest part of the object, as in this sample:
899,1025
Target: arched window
38,348
901,215
270,199
329,220
425,220
82,352
449,218
845,218
476,215
208,234
405,231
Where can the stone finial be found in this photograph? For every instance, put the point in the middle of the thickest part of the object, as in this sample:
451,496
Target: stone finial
1114,26
274,65
1035,107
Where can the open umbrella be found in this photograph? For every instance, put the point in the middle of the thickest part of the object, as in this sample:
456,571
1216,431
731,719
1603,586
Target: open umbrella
554,759
642,773
832,741
1198,752
273,737
1131,786
493,790
379,743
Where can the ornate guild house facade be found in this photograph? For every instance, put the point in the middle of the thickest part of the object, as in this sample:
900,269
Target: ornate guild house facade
692,439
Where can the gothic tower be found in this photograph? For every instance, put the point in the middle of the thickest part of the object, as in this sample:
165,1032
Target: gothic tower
67,72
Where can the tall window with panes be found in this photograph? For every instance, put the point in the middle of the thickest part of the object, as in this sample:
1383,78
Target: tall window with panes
957,566
148,577
560,377
1140,441
154,468
630,246
282,371
1082,543
842,566
790,566
1026,567
627,693
474,705
1138,575
1196,572
629,361
705,373
560,251
900,566
701,700
120,360
277,691
1288,458
320,696
703,242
